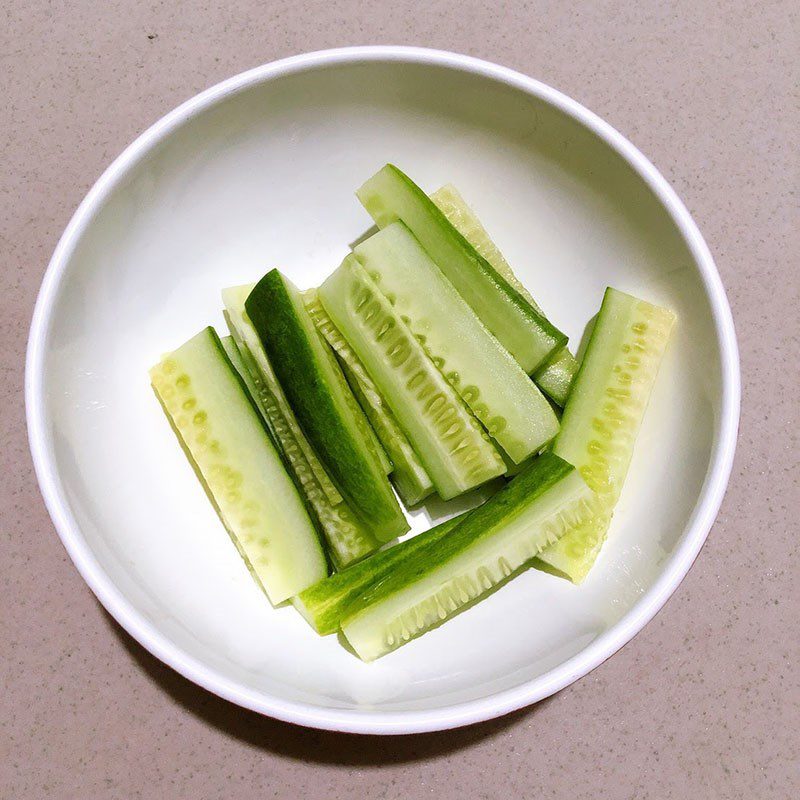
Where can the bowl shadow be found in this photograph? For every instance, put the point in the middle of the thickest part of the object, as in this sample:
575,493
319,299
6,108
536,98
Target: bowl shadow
307,745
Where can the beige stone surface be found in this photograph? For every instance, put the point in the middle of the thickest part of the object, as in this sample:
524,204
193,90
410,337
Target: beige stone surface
704,702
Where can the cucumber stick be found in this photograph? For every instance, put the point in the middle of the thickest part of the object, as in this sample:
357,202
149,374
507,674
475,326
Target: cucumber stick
553,377
233,453
543,503
604,413
280,416
476,365
450,202
412,482
347,539
320,397
456,452
390,196
326,603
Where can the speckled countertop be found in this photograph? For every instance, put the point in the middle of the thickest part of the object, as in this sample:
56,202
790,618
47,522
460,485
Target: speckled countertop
704,702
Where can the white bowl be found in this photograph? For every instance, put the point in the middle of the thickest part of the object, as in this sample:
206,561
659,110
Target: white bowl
259,171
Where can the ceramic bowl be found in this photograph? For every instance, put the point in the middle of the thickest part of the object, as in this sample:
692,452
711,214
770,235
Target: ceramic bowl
259,171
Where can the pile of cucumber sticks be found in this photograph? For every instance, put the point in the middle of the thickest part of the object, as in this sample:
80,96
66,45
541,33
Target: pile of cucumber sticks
421,366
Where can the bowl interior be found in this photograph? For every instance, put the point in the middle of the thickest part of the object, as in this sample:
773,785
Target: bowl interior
266,178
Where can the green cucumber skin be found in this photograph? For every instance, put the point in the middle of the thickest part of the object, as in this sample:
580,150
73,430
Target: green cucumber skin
409,477
477,366
316,393
455,450
554,376
279,415
525,333
491,544
326,603
239,465
603,415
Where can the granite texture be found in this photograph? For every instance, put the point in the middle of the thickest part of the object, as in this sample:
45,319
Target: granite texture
704,702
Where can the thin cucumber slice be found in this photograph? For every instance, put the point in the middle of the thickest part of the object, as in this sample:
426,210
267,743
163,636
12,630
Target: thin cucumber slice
390,196
324,405
450,202
234,455
347,539
280,416
532,511
409,477
604,413
476,365
325,604
554,377
456,452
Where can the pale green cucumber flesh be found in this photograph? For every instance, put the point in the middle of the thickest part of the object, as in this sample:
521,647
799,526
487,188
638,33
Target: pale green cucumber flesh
604,412
477,366
449,441
555,375
532,511
322,401
390,196
232,451
279,414
326,603
409,477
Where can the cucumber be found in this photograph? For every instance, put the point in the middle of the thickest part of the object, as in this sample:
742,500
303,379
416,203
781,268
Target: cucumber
476,365
409,477
554,377
280,416
347,539
390,196
604,412
320,397
326,603
450,202
237,461
456,452
531,512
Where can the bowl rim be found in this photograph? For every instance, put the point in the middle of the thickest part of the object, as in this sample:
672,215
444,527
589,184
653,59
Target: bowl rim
380,722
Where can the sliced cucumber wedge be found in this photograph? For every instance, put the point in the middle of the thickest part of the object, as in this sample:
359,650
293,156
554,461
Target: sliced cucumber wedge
233,453
390,196
456,452
476,365
280,416
320,397
450,202
604,413
532,511
326,603
409,477
554,377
